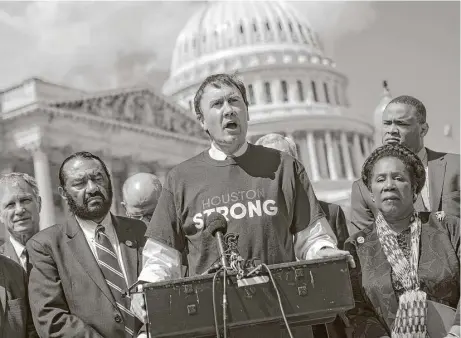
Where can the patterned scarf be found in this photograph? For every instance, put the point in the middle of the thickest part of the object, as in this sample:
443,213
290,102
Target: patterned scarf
410,321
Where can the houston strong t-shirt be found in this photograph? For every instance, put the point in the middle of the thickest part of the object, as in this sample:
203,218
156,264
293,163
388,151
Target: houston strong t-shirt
265,195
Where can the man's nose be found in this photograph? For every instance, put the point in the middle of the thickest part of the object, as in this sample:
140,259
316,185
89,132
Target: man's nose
228,110
91,186
392,129
19,208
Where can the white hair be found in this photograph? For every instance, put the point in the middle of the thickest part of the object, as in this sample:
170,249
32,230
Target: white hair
16,176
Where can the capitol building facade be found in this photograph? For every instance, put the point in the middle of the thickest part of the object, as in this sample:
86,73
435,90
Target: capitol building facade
293,88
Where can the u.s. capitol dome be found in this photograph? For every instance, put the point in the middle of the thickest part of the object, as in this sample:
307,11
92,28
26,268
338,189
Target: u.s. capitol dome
293,87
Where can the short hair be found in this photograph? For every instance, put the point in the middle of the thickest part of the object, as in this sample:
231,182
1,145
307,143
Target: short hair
413,102
84,155
412,163
273,139
16,176
217,80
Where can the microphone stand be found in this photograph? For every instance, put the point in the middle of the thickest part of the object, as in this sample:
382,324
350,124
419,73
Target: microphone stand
224,303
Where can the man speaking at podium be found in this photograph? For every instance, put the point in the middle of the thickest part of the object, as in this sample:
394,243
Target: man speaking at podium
265,196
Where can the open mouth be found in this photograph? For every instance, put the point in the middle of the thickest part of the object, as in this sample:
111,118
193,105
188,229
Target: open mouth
231,125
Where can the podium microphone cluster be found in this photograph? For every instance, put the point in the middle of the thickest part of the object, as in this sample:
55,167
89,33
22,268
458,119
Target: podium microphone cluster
217,227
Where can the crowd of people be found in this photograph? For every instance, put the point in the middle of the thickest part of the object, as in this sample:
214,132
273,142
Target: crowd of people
402,242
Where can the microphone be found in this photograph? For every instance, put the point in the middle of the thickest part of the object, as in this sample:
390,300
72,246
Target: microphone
217,227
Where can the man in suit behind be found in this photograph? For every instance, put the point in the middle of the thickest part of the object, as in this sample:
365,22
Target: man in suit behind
404,122
82,268
20,212
15,318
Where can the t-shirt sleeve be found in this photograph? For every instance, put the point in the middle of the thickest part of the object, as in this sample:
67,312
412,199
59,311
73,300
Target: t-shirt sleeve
165,225
307,209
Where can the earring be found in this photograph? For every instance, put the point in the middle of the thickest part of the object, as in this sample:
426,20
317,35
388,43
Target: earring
373,198
415,197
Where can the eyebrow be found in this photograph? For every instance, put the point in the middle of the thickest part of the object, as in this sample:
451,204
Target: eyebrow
225,97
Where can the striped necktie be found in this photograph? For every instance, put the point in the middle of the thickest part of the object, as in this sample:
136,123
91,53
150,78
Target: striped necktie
110,267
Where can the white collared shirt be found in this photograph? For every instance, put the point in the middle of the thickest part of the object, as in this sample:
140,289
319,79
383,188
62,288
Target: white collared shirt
19,249
89,230
422,154
219,155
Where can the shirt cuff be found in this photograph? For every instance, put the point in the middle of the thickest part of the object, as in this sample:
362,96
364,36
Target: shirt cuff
142,335
316,247
455,331
161,262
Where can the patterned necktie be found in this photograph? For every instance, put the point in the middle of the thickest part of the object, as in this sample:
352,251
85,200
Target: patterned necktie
110,267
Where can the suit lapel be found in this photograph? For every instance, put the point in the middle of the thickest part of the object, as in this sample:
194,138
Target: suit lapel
11,253
436,166
82,252
128,248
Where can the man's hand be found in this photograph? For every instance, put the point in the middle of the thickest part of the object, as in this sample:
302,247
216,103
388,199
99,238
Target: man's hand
331,252
138,306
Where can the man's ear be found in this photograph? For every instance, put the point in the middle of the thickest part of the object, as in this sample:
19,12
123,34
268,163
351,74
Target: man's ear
62,193
424,129
39,203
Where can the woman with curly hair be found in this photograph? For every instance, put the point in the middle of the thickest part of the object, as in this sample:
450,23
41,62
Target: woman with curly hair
407,281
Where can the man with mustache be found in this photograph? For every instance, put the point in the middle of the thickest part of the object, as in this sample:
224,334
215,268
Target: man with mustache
82,268
20,212
404,122
271,204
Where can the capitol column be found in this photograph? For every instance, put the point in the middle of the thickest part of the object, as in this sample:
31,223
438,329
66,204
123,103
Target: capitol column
32,140
358,157
332,165
312,156
116,189
258,88
366,146
347,156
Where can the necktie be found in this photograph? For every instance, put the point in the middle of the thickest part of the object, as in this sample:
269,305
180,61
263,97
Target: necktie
110,267
28,265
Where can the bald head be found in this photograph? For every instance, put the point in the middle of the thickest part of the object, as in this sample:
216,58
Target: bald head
140,195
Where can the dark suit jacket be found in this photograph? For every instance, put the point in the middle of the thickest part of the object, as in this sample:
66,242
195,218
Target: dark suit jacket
438,271
337,220
7,250
443,190
15,318
68,294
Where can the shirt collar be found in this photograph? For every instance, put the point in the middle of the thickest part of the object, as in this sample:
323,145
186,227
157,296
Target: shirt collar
218,155
18,247
422,154
89,226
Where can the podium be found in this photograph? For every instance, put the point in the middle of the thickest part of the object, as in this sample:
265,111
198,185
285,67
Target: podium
312,292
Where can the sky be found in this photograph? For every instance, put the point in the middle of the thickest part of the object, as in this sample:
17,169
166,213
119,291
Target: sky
414,45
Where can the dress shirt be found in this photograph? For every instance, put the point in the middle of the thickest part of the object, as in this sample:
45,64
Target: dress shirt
218,155
422,154
20,251
89,230
161,262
